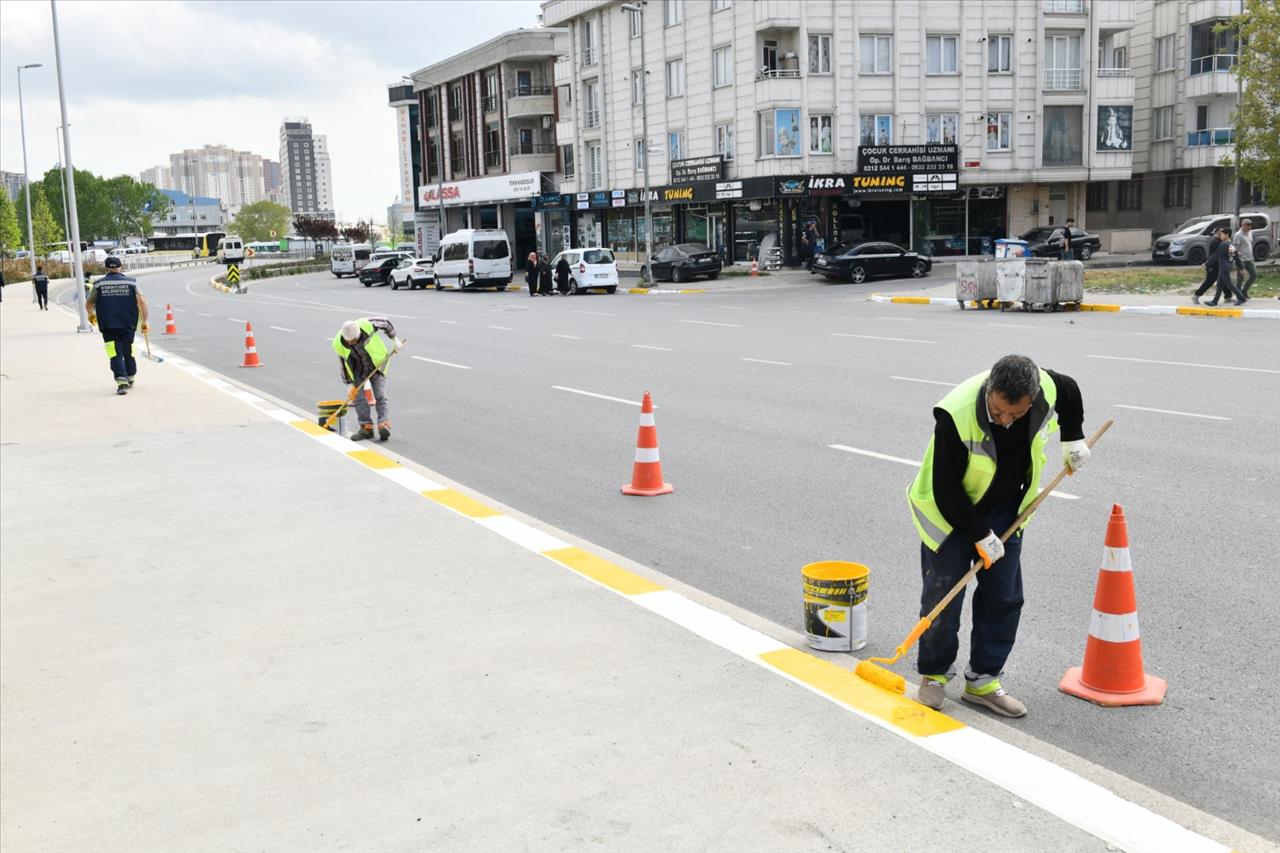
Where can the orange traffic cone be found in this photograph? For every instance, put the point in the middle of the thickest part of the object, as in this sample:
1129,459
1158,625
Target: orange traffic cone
1112,673
646,475
250,348
755,267
169,327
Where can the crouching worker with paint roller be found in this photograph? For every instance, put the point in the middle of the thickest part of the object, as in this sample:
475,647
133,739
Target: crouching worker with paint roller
364,356
981,470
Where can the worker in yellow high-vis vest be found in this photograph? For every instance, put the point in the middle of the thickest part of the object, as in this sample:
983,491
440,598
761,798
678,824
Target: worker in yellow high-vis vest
982,467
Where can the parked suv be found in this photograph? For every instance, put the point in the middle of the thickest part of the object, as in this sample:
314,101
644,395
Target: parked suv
1190,242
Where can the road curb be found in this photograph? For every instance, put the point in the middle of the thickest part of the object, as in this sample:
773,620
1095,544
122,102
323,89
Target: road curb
1159,310
225,288
644,291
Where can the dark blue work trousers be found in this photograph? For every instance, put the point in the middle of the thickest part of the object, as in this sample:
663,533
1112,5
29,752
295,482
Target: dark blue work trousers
119,346
997,602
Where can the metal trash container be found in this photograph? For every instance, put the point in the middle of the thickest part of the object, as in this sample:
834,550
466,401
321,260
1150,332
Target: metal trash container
1068,281
975,281
1011,280
1012,248
1038,290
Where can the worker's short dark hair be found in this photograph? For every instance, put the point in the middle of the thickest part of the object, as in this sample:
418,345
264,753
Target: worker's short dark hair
39,268
1015,377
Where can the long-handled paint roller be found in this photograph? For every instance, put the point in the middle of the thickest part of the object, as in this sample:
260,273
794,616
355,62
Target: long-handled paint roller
146,336
351,395
881,677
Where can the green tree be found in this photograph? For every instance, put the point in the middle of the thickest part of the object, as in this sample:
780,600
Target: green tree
47,230
133,206
10,233
255,222
92,204
1259,114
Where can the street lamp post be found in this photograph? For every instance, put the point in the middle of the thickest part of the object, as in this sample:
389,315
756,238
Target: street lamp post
638,9
22,125
66,223
77,262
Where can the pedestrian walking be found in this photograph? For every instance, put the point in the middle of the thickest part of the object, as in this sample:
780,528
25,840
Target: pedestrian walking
545,277
1210,267
1068,249
2,284
981,469
118,307
1224,257
1243,241
364,355
41,283
531,273
562,274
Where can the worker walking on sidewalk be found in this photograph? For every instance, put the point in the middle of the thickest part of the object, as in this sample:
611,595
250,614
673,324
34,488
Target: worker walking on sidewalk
41,283
364,355
981,469
117,306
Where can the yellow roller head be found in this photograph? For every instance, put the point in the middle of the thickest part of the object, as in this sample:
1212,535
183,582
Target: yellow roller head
881,677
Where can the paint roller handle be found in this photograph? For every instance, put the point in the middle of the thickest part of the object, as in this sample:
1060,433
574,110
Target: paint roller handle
916,633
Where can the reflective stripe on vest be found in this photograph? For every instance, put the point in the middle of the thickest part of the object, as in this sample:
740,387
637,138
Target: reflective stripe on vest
966,404
373,346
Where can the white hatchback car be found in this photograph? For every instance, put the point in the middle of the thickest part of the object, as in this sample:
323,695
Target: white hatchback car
590,268
413,273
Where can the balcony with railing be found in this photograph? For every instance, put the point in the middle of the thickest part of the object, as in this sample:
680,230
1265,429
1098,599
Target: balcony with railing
591,118
489,103
1063,80
1211,10
781,14
458,165
492,158
589,56
1209,147
1114,84
1115,14
1064,7
530,100
1211,136
1212,75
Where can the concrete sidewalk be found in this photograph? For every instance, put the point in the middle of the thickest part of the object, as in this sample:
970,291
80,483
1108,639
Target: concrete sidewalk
221,630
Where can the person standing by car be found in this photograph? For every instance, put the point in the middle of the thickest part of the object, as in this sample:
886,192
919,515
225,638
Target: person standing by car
1210,267
531,273
545,279
1225,257
1068,251
562,275
1243,241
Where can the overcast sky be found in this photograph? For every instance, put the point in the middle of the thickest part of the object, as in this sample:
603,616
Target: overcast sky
144,80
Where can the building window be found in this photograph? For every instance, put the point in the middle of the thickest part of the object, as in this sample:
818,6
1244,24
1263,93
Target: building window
721,67
721,5
591,104
637,148
672,12
940,52
636,23
1164,53
1162,123
875,129
1063,134
589,42
1177,190
820,53
1212,50
637,88
1062,64
724,141
875,54
1096,196
595,172
941,128
778,133
998,131
1129,195
675,78
820,134
999,54
455,101
566,160
492,145
675,145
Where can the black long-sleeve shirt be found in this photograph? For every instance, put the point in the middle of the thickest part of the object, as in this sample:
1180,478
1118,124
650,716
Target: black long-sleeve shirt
1013,461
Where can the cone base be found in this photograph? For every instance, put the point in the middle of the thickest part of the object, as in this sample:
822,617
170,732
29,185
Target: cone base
259,364
665,489
1152,692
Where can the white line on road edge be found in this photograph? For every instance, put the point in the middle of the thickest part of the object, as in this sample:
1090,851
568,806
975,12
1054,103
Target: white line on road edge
1172,412
926,381
448,322
237,320
503,328
202,314
1187,364
568,337
598,396
709,323
595,313
445,363
646,346
767,361
1163,335
915,464
878,338
281,329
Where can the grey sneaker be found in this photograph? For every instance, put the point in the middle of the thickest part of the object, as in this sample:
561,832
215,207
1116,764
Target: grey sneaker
997,700
932,692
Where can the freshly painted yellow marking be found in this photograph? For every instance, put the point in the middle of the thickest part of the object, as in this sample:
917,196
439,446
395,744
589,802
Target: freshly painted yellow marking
1210,312
602,571
458,502
1097,306
695,290
911,300
310,428
639,290
372,458
845,687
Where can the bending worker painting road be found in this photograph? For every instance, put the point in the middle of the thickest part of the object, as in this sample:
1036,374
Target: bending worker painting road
981,469
364,355
117,306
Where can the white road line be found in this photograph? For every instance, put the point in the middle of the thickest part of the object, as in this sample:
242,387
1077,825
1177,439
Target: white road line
901,319
879,338
281,329
445,363
646,346
1186,364
448,322
595,313
925,381
766,361
731,307
914,464
597,396
670,303
1172,412
1163,335
237,320
503,328
179,310
202,314
709,323
568,337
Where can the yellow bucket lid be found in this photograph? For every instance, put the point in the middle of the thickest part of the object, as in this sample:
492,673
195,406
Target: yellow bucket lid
835,570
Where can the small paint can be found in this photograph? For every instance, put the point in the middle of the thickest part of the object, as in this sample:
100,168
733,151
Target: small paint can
835,605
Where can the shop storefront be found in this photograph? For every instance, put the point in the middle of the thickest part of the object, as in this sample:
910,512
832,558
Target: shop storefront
501,202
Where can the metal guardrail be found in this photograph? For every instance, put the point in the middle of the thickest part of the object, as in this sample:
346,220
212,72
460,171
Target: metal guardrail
1215,62
1063,80
1064,7
777,73
518,148
489,103
530,92
143,262
1211,136
1115,72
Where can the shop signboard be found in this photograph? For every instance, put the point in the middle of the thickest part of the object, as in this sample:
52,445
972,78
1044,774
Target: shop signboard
791,186
935,182
675,193
618,198
912,159
551,201
426,232
516,187
697,169
728,189
582,201
826,185
600,198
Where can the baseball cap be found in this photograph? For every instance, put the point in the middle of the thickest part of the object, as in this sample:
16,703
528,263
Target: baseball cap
112,263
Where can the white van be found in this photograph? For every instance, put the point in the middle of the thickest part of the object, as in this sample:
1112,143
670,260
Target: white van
346,258
474,258
231,250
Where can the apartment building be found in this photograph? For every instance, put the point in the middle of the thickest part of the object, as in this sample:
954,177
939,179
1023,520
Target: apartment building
487,125
160,177
304,170
13,183
234,176
401,98
938,124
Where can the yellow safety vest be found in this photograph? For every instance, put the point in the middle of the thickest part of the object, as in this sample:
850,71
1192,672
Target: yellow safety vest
373,345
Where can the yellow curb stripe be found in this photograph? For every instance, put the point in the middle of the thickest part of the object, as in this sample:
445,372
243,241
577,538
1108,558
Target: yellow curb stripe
310,428
1093,306
602,571
460,503
373,459
695,290
910,300
846,688
1210,312
639,290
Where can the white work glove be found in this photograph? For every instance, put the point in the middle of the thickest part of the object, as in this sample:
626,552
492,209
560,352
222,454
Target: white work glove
1074,455
990,549
399,343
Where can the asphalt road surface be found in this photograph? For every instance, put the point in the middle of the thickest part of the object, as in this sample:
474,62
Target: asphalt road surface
535,403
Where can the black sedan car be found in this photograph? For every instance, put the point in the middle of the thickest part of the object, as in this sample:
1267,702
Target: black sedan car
860,261
1047,243
682,262
378,271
